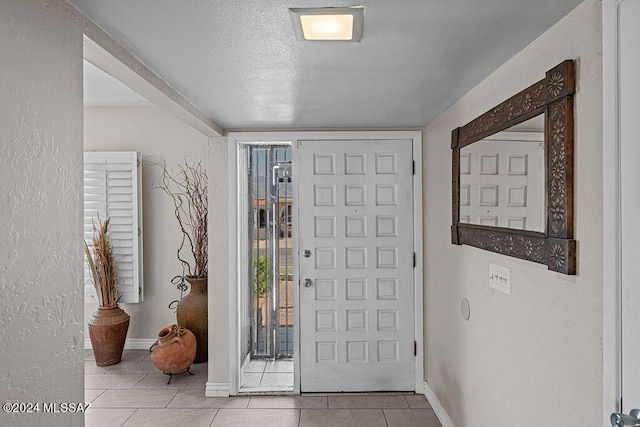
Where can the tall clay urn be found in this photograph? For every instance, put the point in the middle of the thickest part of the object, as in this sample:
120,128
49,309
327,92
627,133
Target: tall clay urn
192,314
108,331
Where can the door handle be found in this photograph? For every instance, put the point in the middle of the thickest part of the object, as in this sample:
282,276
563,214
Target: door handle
306,253
620,420
307,283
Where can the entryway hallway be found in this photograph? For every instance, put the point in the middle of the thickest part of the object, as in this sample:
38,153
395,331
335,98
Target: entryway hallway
135,393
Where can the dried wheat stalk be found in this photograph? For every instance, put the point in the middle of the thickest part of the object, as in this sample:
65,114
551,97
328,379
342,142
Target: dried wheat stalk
102,265
188,191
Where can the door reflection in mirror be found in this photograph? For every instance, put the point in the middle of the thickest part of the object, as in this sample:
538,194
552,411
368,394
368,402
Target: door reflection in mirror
502,178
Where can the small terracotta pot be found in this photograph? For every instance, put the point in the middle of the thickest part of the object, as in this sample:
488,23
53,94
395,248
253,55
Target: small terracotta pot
108,331
174,350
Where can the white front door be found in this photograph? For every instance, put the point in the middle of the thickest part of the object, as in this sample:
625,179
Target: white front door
630,201
355,243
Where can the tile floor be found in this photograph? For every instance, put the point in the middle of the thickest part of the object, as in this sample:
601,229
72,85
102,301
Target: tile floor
135,393
273,375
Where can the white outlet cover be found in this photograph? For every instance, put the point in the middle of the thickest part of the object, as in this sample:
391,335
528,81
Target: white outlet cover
500,278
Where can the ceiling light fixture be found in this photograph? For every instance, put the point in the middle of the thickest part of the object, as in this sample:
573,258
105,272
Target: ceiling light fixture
328,23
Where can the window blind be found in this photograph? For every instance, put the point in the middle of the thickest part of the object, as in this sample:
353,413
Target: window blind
112,189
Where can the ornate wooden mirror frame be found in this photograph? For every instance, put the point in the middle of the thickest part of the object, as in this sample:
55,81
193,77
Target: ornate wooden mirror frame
552,96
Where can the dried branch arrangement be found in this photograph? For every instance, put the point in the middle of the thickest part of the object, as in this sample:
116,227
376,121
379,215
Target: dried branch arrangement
102,265
188,190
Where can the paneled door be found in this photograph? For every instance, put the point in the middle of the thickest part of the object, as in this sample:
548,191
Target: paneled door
502,181
355,243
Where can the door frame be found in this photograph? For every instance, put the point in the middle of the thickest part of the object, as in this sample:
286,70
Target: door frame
236,140
612,232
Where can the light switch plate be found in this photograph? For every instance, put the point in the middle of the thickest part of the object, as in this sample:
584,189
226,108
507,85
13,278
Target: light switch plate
500,278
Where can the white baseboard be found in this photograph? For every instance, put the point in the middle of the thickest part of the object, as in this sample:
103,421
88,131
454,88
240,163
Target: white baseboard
129,344
442,415
139,343
217,390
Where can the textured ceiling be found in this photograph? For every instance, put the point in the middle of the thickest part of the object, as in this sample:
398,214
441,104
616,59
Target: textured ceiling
240,63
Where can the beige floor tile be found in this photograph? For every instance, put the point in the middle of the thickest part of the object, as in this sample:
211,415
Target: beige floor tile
295,402
411,418
255,366
115,392
417,401
90,367
376,393
279,366
106,417
171,418
257,417
251,379
197,399
342,418
88,353
136,355
91,395
276,379
366,402
111,381
158,380
134,367
134,399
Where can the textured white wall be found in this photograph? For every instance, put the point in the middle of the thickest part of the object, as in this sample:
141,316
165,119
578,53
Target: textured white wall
533,358
158,136
40,209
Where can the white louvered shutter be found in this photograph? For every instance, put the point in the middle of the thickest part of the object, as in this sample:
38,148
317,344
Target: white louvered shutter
112,188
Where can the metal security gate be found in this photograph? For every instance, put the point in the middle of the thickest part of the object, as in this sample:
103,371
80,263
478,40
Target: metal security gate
270,251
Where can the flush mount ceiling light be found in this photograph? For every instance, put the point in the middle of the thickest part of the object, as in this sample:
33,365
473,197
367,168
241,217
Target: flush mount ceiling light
328,23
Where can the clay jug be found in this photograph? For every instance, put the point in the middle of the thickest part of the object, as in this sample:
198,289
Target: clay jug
108,331
174,350
192,314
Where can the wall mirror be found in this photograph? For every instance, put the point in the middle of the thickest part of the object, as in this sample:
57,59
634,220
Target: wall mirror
513,175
